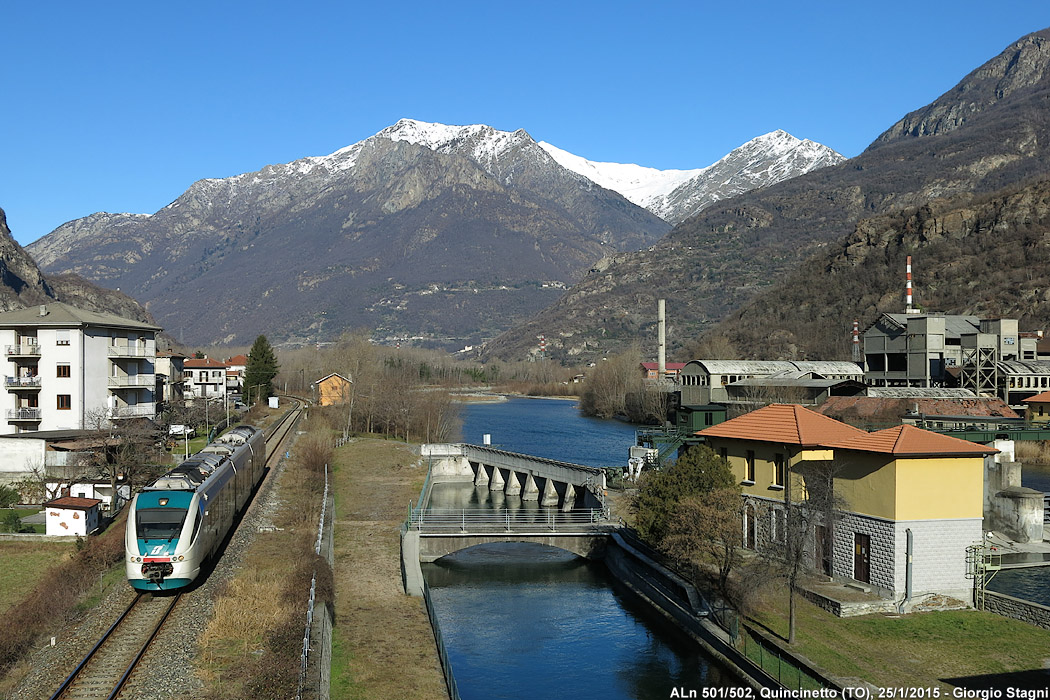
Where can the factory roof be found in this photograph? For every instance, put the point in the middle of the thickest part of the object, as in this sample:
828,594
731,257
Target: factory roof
767,367
916,392
954,326
1024,366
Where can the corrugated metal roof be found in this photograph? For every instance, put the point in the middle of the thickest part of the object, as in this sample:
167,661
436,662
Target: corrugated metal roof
1024,366
900,392
789,424
768,367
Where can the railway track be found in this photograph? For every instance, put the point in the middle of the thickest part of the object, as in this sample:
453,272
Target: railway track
109,664
103,672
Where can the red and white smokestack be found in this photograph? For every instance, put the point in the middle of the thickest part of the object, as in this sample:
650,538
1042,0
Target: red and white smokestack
907,290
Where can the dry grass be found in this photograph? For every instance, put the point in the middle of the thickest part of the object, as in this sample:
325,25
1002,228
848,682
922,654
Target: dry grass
253,650
1032,451
384,644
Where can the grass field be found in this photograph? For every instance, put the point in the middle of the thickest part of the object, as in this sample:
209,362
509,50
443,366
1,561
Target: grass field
917,650
25,564
383,643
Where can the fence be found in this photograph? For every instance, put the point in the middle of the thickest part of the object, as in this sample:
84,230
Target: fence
446,665
485,520
304,661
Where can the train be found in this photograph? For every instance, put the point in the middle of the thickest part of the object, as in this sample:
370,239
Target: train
178,522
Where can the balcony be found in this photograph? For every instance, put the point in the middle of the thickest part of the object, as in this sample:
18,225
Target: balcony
137,381
23,350
128,351
28,414
144,411
17,383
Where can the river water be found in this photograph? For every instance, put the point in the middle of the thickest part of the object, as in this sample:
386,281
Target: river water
526,621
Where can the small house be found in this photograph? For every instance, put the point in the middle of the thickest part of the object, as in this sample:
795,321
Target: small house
70,515
333,389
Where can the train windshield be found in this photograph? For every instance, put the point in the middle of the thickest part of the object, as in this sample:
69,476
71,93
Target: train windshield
159,523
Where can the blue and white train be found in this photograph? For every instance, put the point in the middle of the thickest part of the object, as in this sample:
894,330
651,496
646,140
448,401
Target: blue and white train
178,522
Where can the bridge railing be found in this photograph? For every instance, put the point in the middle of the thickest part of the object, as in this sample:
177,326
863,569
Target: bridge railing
486,520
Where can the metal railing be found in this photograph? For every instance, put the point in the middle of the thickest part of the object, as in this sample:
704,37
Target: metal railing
22,382
128,351
24,414
23,349
147,411
517,520
137,380
439,641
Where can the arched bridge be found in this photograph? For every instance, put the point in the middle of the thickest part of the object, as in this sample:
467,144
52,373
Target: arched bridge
546,501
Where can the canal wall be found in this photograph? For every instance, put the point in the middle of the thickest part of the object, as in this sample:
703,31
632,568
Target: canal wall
680,602
1017,608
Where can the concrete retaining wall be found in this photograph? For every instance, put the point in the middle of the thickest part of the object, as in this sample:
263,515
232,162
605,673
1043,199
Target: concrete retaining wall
1018,609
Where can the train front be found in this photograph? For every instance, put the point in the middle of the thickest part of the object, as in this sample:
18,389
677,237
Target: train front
157,542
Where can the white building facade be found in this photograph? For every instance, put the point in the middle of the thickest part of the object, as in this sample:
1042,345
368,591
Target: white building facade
65,367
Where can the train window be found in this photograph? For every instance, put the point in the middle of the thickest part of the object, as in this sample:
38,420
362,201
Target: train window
159,523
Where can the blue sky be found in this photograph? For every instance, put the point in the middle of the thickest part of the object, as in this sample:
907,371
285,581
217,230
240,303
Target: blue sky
121,106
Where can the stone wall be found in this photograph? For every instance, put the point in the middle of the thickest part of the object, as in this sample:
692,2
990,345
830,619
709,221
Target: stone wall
1018,609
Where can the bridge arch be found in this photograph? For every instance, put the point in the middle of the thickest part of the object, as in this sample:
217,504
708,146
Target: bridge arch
587,545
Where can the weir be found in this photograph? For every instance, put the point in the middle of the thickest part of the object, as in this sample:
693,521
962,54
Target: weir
545,501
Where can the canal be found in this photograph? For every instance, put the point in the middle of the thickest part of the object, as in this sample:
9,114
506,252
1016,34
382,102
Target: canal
527,621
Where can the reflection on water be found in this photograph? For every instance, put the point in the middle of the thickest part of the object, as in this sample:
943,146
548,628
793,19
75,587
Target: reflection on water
1032,583
528,621
551,428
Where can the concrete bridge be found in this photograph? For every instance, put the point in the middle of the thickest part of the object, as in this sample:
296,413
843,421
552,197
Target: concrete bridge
545,501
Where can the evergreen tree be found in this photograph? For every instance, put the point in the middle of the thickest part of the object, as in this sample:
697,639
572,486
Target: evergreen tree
260,370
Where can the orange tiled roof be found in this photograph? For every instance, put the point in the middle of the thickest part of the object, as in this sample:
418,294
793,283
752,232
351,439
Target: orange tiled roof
205,363
784,423
909,440
1039,398
237,360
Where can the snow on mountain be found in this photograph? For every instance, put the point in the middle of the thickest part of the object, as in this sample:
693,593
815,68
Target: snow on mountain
637,183
675,195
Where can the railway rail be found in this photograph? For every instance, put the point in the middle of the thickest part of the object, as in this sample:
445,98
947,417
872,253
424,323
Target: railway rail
110,663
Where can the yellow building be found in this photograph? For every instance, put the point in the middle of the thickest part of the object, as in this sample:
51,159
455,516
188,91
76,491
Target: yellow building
1038,408
889,494
333,389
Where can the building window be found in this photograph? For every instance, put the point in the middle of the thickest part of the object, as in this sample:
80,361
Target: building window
62,336
62,371
749,469
778,470
65,402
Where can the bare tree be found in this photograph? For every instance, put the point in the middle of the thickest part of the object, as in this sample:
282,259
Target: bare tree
707,526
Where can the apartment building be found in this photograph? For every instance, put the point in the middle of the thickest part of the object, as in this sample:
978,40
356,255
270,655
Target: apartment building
66,367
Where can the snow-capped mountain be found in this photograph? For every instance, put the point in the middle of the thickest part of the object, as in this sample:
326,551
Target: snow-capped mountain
675,195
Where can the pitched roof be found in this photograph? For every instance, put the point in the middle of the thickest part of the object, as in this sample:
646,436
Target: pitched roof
237,360
905,440
784,423
73,502
668,365
203,363
1038,398
57,314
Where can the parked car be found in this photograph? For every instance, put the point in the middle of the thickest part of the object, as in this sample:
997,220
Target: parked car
181,431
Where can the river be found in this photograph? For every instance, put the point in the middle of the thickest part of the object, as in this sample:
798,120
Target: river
527,621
